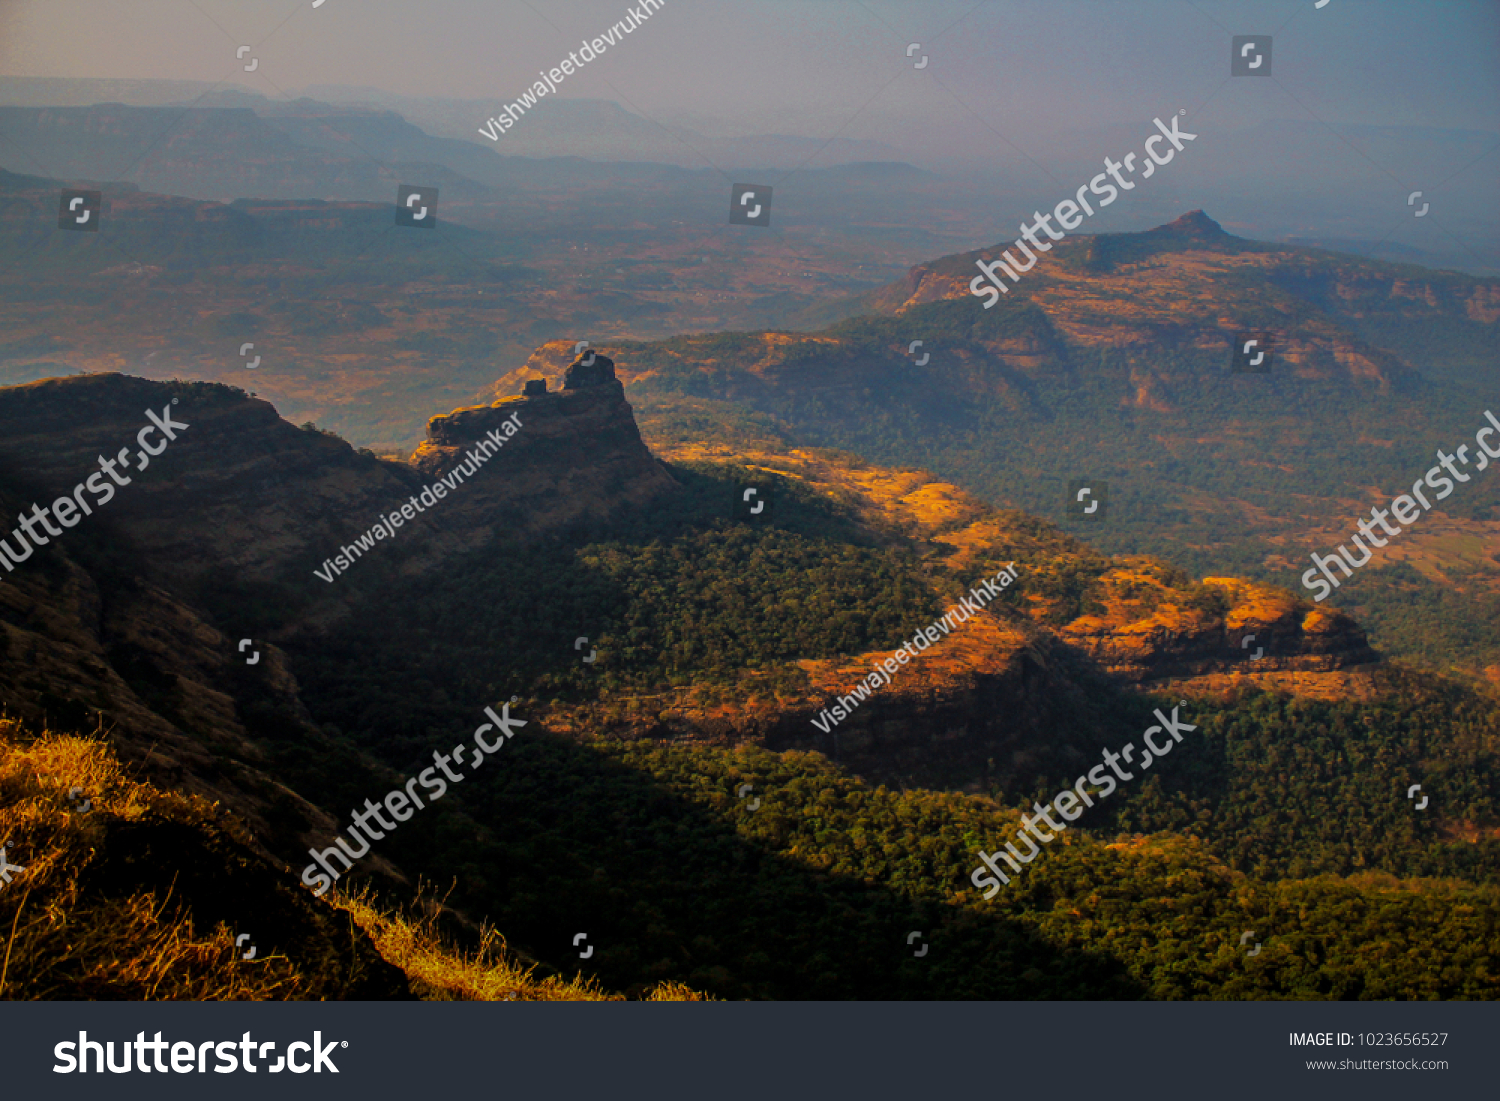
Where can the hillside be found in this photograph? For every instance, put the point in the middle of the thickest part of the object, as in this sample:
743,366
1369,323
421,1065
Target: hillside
1110,361
131,892
664,645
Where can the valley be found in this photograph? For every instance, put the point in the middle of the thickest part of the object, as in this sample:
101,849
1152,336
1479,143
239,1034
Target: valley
718,635
238,650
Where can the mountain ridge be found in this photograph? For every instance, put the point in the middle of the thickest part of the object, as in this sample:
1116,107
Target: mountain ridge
1004,703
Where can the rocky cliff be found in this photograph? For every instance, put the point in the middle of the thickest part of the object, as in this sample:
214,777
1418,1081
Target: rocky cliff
242,491
154,617
577,451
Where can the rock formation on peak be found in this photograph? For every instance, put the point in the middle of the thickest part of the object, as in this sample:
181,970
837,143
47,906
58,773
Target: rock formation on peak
589,370
578,451
242,490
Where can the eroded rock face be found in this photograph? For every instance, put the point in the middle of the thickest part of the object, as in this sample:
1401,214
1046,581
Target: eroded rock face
1264,630
242,491
589,370
573,453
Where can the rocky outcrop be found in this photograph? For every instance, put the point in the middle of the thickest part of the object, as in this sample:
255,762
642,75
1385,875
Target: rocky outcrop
149,617
241,491
136,612
549,365
1264,630
576,452
588,371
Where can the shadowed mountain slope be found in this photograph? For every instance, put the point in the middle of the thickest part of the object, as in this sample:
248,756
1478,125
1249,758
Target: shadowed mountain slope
667,644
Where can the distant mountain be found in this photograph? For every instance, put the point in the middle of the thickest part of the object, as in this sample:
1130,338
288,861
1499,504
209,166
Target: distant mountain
1166,276
212,153
1111,360
1248,174
312,150
598,130
56,91
602,130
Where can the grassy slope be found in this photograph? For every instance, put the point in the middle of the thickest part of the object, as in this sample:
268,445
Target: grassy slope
647,847
97,913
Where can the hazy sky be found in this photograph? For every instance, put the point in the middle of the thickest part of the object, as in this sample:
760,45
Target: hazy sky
812,67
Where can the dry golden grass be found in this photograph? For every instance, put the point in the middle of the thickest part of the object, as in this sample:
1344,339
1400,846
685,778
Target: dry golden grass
63,939
442,972
61,942
1359,683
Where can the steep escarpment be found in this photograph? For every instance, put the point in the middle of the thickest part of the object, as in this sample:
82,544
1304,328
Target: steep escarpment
240,491
574,452
156,615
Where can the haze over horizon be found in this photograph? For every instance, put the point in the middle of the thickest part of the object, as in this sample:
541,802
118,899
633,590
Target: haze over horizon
718,86
805,63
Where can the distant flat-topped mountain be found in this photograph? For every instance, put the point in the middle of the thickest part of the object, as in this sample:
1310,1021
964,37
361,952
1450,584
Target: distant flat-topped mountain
1114,358
1185,287
1190,281
214,153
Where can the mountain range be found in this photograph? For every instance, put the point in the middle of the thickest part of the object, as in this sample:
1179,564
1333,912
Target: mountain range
747,469
1113,362
186,626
